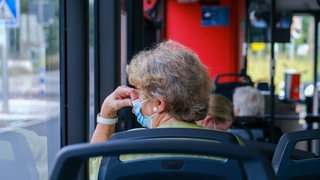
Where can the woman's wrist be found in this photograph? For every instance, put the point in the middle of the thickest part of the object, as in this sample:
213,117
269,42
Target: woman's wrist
106,121
106,111
109,115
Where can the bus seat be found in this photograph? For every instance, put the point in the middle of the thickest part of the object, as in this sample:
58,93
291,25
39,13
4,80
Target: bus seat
193,133
288,168
227,88
247,127
242,162
16,156
268,150
247,134
254,128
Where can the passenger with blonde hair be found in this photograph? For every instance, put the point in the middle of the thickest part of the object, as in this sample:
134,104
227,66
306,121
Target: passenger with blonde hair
220,113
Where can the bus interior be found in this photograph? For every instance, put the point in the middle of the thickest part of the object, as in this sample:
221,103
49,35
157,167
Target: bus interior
61,58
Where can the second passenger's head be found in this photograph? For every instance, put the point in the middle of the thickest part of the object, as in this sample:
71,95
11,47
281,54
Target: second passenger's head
220,113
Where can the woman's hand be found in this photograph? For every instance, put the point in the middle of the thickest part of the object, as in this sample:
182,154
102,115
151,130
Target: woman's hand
119,98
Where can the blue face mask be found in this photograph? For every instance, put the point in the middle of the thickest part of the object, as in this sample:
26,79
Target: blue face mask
145,121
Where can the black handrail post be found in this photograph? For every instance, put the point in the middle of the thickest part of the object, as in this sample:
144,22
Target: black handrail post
106,49
272,70
74,72
315,66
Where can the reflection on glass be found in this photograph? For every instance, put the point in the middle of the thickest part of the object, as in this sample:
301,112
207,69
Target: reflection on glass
30,100
91,67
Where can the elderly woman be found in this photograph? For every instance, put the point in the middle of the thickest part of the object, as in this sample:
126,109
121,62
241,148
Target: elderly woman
171,90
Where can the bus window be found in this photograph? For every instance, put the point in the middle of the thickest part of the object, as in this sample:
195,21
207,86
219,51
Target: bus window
294,56
30,101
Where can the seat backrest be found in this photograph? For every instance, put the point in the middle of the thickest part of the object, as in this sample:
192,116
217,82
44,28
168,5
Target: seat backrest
249,127
268,150
227,88
240,163
17,157
193,133
287,168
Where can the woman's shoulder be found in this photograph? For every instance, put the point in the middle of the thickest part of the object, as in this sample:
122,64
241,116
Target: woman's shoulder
179,124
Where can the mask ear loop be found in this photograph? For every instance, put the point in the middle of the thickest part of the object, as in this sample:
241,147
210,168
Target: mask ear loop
144,101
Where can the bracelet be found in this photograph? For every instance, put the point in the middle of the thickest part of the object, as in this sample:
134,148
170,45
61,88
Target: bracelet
107,121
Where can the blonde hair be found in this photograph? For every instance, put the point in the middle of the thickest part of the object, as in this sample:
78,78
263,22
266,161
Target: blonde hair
175,73
220,107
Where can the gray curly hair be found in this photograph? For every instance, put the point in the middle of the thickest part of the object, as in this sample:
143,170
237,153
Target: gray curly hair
175,73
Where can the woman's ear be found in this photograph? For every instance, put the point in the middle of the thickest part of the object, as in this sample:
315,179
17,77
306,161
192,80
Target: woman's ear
160,104
207,122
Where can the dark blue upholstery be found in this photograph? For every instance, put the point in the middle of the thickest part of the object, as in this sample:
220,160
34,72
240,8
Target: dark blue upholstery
245,126
242,163
287,168
268,150
194,133
204,134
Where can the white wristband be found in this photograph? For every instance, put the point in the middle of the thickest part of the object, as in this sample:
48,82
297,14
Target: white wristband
106,121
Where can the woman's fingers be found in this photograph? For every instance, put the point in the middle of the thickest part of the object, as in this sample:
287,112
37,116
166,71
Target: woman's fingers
119,98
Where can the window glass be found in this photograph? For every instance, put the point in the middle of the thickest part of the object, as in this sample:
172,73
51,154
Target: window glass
30,100
294,57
